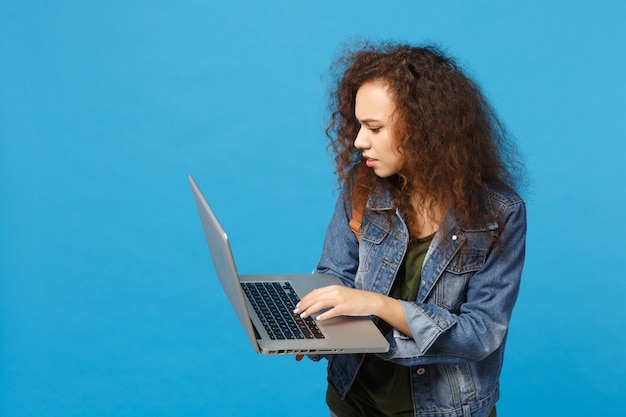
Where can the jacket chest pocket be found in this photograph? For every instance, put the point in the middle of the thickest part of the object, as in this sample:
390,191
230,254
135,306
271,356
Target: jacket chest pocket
451,289
370,246
380,255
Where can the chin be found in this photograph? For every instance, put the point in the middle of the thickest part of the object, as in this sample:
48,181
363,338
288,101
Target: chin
384,173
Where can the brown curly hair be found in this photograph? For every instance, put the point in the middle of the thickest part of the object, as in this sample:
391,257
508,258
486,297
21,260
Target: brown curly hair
452,144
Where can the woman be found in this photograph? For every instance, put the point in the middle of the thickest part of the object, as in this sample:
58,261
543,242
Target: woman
442,239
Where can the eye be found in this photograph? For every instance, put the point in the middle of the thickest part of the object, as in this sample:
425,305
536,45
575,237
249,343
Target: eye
374,129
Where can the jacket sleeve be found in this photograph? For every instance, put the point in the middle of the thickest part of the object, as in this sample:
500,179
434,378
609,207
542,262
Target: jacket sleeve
481,325
340,254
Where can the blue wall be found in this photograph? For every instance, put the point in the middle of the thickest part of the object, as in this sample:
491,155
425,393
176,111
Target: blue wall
108,301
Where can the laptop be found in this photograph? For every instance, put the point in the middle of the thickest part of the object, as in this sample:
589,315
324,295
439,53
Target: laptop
264,304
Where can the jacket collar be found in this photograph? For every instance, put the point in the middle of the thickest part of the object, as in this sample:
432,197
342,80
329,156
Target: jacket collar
381,200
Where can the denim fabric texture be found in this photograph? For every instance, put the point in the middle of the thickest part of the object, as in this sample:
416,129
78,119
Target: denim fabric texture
460,319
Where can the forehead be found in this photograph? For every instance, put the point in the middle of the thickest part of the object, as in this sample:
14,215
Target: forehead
374,100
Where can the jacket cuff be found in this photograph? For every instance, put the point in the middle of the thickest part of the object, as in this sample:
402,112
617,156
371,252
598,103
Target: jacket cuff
426,326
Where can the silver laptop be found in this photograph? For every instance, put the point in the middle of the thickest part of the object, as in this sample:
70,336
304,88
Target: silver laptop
264,304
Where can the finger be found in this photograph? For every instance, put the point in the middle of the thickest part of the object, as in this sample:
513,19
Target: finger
314,308
312,298
317,300
329,314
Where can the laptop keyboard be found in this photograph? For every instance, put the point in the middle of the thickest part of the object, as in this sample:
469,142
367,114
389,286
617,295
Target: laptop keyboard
274,303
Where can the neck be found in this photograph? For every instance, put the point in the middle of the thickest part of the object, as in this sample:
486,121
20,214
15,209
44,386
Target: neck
428,215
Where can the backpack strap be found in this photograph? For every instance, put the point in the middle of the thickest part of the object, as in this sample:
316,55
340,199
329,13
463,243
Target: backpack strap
355,223
360,194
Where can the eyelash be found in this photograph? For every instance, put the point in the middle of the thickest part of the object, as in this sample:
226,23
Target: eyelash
371,129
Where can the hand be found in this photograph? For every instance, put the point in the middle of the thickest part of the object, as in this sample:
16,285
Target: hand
341,301
344,301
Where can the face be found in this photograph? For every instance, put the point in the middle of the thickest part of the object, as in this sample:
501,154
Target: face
374,110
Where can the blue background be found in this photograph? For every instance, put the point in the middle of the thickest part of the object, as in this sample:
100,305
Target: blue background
108,301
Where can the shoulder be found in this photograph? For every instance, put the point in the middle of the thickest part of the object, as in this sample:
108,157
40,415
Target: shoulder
499,203
502,198
509,212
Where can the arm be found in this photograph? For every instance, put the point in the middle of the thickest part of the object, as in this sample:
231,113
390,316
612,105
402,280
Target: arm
353,302
424,332
481,323
340,258
340,254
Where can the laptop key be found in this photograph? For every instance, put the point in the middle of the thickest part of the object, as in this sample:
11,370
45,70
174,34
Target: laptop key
274,303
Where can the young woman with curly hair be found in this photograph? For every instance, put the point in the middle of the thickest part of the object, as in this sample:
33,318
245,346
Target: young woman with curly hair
438,257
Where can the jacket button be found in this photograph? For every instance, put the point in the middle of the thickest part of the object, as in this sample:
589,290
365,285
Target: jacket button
421,371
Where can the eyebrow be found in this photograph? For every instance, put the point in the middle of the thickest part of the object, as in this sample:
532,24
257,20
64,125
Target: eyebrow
367,121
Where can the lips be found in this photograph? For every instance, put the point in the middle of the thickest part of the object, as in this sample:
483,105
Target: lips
369,161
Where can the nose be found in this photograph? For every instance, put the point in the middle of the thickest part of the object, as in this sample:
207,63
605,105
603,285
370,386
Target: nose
362,141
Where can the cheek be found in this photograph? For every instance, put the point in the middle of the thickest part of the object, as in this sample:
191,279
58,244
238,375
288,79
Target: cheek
395,155
385,143
391,149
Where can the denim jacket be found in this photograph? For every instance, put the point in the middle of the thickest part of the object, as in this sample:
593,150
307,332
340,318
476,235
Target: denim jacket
460,319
